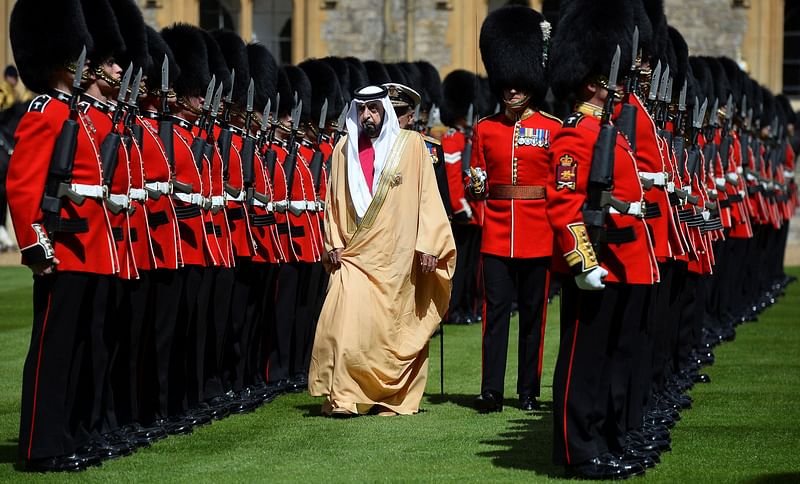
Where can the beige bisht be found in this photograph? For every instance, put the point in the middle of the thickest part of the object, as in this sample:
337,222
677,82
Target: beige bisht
371,345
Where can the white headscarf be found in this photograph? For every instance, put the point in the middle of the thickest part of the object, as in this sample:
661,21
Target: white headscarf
390,129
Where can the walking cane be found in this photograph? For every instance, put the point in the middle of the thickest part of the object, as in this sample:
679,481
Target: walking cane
441,358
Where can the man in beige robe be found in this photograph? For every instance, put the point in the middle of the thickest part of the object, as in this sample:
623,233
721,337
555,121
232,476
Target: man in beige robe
391,255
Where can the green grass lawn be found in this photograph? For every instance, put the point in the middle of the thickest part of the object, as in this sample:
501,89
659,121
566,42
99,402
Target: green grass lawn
744,427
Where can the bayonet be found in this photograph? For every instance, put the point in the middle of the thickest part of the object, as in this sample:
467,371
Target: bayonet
262,135
229,96
137,81
682,97
470,115
123,85
700,114
209,94
76,82
249,107
713,117
323,118
430,118
669,90
215,103
296,116
226,110
655,78
635,50
612,76
340,124
662,85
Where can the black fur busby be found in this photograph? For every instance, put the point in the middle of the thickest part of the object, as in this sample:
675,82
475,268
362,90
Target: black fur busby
38,56
157,48
324,85
189,48
217,64
342,69
785,107
757,95
431,84
377,73
413,76
646,33
512,49
105,30
131,24
487,101
677,56
584,45
768,112
286,92
234,51
705,82
302,86
264,71
459,89
358,77
654,10
398,75
722,88
735,77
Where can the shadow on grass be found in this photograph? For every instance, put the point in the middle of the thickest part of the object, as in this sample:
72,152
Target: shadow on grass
468,401
9,454
310,409
777,478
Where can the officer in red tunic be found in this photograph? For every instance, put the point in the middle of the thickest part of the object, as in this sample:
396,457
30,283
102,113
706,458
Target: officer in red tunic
55,234
603,304
510,166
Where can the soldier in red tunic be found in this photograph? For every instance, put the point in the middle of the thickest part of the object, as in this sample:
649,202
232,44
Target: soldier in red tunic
68,245
606,247
511,166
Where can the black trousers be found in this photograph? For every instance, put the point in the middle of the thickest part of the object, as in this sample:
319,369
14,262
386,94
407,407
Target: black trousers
285,310
664,320
505,278
220,325
250,368
462,298
163,303
244,304
66,305
593,369
185,341
313,277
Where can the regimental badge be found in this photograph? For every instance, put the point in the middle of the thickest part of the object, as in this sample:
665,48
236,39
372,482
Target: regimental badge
566,173
533,137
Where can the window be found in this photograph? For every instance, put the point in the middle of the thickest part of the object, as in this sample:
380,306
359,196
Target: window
272,26
220,14
791,49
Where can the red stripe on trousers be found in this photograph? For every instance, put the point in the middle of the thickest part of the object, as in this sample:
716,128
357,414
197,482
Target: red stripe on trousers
36,380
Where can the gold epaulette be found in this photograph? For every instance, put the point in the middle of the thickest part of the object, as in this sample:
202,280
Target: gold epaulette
550,116
431,140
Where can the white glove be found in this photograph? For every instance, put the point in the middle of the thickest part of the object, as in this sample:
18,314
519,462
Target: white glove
591,280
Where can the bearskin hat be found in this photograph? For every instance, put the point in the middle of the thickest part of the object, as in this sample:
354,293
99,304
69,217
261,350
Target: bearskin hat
654,10
376,73
264,71
234,51
677,56
302,86
512,49
38,56
398,75
722,88
768,112
217,65
460,88
157,49
785,106
358,77
324,85
705,81
735,77
105,30
286,92
189,48
431,84
586,48
487,100
342,70
131,24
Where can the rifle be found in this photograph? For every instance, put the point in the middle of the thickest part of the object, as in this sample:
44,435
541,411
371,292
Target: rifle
109,149
727,139
319,157
166,133
340,126
249,153
131,127
59,173
652,94
662,102
198,147
271,156
601,174
225,138
466,153
290,164
626,121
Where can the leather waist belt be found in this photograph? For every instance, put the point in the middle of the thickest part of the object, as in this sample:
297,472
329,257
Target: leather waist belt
89,191
193,198
636,209
659,179
120,199
157,219
238,198
217,201
164,187
137,194
517,192
263,220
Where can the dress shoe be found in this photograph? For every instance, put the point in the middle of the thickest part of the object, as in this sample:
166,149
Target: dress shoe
279,387
701,378
298,383
217,412
62,463
648,460
196,418
528,403
488,402
605,467
98,451
152,433
175,426
120,439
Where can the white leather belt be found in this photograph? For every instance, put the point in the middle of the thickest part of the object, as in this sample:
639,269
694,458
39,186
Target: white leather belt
750,177
90,191
257,203
732,178
320,206
634,209
217,201
303,205
193,198
138,194
659,179
164,187
720,183
671,187
121,200
238,198
788,174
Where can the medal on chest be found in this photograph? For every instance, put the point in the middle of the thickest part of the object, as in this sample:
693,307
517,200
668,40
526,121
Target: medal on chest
533,137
